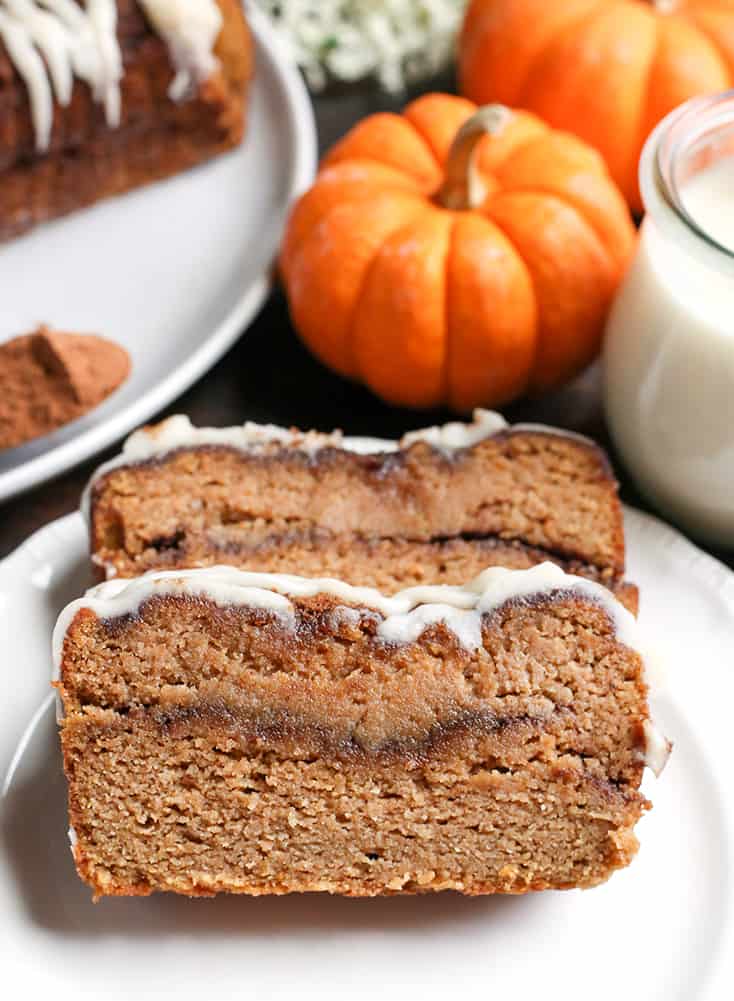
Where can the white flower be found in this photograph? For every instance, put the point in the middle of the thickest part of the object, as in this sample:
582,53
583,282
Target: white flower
394,40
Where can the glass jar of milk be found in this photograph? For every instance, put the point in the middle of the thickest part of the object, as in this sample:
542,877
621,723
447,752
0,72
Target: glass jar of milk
669,348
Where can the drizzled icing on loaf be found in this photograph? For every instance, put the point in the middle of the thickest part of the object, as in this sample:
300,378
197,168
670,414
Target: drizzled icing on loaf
50,42
404,616
190,29
178,432
53,42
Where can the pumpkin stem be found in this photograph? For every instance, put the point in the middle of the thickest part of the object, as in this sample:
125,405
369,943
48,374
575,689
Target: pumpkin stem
464,187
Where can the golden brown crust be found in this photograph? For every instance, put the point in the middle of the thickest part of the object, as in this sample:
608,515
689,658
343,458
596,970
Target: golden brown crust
88,161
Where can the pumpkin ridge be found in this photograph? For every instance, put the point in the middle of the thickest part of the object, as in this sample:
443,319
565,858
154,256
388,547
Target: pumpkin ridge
455,101
357,135
356,369
456,392
477,19
516,151
386,389
447,362
385,163
363,158
693,18
412,206
540,362
561,197
428,146
622,157
409,187
553,39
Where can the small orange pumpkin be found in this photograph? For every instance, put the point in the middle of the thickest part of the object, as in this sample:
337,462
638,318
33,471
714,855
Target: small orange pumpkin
455,256
608,70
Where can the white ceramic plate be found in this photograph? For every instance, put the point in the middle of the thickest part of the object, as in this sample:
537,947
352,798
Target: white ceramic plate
174,272
662,930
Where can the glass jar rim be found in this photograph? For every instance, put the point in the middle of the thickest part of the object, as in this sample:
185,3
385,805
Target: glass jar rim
661,195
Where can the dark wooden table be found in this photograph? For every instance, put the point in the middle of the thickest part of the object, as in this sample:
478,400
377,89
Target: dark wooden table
269,376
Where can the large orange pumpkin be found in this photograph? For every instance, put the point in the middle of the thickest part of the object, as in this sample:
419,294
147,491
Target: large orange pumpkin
608,70
464,274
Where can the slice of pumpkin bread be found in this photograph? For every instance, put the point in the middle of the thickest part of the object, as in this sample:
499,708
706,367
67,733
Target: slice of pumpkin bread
438,506
257,733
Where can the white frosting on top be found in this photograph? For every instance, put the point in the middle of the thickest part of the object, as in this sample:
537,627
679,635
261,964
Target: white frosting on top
190,30
457,435
51,42
404,616
178,432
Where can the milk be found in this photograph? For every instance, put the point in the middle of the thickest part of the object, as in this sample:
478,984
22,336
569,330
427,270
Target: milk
708,197
669,361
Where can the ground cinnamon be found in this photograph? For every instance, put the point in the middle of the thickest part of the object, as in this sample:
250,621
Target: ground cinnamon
49,378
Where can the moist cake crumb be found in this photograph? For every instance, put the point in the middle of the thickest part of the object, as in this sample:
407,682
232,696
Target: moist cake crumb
226,731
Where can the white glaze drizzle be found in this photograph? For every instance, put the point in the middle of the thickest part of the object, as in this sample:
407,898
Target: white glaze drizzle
50,42
190,31
456,435
178,432
404,616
